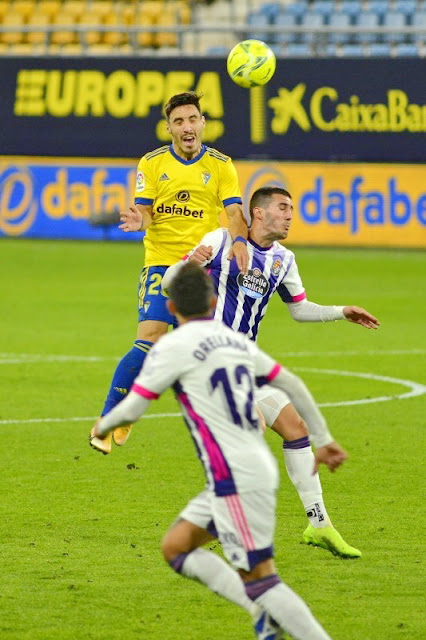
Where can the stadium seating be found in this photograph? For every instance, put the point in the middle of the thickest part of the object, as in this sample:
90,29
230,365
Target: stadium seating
394,19
407,7
339,20
352,51
314,21
352,8
299,50
379,49
366,19
324,7
84,23
287,20
257,20
407,50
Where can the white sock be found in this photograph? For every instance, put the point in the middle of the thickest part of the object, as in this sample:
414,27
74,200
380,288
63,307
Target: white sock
299,464
292,613
219,577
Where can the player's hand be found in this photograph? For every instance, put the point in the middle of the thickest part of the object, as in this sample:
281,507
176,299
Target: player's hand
133,220
331,455
201,254
358,315
240,253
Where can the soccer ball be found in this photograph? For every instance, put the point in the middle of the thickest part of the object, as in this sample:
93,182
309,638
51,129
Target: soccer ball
251,63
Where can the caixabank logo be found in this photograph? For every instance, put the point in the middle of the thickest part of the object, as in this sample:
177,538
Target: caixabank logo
328,109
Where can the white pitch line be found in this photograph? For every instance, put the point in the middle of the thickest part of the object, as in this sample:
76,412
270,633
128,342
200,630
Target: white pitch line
415,389
32,358
84,419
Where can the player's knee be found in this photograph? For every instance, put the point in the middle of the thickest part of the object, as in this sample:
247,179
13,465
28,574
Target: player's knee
168,548
290,425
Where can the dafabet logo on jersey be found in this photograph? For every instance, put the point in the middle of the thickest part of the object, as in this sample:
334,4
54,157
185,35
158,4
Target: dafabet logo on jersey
176,210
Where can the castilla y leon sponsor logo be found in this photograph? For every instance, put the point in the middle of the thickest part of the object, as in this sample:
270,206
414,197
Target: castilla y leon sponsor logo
254,284
325,109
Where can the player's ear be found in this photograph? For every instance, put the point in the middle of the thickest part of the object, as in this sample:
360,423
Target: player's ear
257,213
171,306
168,126
203,121
213,301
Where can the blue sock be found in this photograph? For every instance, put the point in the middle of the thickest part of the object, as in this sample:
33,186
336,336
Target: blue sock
125,373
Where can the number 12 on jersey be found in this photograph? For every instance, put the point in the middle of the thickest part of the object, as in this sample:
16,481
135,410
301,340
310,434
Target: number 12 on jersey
241,380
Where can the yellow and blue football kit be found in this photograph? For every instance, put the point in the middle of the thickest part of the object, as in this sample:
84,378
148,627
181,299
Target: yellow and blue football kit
187,197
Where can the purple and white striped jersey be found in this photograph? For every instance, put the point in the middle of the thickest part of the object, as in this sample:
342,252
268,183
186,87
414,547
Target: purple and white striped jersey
214,372
243,299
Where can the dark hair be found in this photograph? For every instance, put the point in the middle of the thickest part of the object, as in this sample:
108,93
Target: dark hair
180,99
261,197
191,290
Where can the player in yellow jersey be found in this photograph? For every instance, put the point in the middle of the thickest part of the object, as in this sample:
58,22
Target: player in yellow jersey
181,189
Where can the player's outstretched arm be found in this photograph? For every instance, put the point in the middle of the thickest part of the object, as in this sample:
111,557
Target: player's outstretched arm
358,315
238,229
136,218
331,455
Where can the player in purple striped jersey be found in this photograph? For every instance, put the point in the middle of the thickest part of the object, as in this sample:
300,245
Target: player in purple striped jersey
242,303
215,388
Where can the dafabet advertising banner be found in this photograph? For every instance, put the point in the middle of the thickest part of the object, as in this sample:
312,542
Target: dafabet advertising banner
335,204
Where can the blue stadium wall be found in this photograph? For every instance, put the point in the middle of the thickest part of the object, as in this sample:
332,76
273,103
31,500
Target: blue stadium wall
73,129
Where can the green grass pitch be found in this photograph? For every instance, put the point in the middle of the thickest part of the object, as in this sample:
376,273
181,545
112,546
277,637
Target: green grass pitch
80,533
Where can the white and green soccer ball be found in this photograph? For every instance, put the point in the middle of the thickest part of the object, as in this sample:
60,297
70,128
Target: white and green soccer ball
251,63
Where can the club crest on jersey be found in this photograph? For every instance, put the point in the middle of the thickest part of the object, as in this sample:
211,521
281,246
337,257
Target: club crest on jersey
254,284
206,177
275,269
140,181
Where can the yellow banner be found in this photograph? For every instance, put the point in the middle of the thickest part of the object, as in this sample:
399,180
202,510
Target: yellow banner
364,205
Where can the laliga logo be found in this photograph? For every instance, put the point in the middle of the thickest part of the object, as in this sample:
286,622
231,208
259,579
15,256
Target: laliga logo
17,206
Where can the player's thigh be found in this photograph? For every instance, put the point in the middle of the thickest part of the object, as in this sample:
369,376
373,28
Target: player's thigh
152,303
245,525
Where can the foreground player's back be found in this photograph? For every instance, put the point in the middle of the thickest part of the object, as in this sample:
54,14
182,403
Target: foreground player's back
213,372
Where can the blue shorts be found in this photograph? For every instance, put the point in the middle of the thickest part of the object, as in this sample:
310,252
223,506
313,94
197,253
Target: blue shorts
152,302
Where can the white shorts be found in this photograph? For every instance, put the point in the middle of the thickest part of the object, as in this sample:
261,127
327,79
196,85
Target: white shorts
243,523
271,401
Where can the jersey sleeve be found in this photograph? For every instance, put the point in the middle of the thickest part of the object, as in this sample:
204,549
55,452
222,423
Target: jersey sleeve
229,189
266,368
291,288
145,191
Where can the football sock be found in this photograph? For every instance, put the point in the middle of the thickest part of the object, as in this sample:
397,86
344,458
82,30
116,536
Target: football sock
125,373
216,574
287,608
299,461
